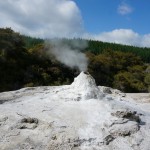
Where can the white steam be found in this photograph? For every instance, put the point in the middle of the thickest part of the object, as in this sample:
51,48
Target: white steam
70,53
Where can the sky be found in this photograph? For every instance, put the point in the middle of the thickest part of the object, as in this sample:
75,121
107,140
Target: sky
107,15
118,21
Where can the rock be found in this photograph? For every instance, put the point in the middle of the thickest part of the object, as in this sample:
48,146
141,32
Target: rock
26,123
124,129
132,116
106,90
29,120
3,119
108,139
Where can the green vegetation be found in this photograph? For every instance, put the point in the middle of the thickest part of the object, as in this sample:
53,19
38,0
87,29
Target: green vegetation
123,71
21,67
97,47
24,62
31,42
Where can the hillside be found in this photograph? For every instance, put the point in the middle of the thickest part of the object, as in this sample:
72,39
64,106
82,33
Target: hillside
97,47
26,62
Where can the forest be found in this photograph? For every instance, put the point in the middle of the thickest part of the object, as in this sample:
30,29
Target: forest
24,62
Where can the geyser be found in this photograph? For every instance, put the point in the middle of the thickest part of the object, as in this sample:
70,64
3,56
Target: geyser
85,85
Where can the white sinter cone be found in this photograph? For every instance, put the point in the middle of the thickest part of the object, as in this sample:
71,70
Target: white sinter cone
85,85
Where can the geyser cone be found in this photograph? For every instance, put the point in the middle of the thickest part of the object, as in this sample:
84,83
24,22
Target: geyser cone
84,81
85,84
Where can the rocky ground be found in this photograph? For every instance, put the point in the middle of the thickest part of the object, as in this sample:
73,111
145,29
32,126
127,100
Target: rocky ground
80,116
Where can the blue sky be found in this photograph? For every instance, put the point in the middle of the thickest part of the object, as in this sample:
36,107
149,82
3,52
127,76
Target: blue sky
118,21
103,15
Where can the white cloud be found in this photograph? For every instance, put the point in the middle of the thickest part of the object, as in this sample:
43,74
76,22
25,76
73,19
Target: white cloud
43,18
60,18
146,40
122,36
124,9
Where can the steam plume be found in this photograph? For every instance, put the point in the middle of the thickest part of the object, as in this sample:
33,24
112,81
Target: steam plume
70,53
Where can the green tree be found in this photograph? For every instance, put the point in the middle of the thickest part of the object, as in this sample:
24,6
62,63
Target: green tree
13,58
147,81
127,82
